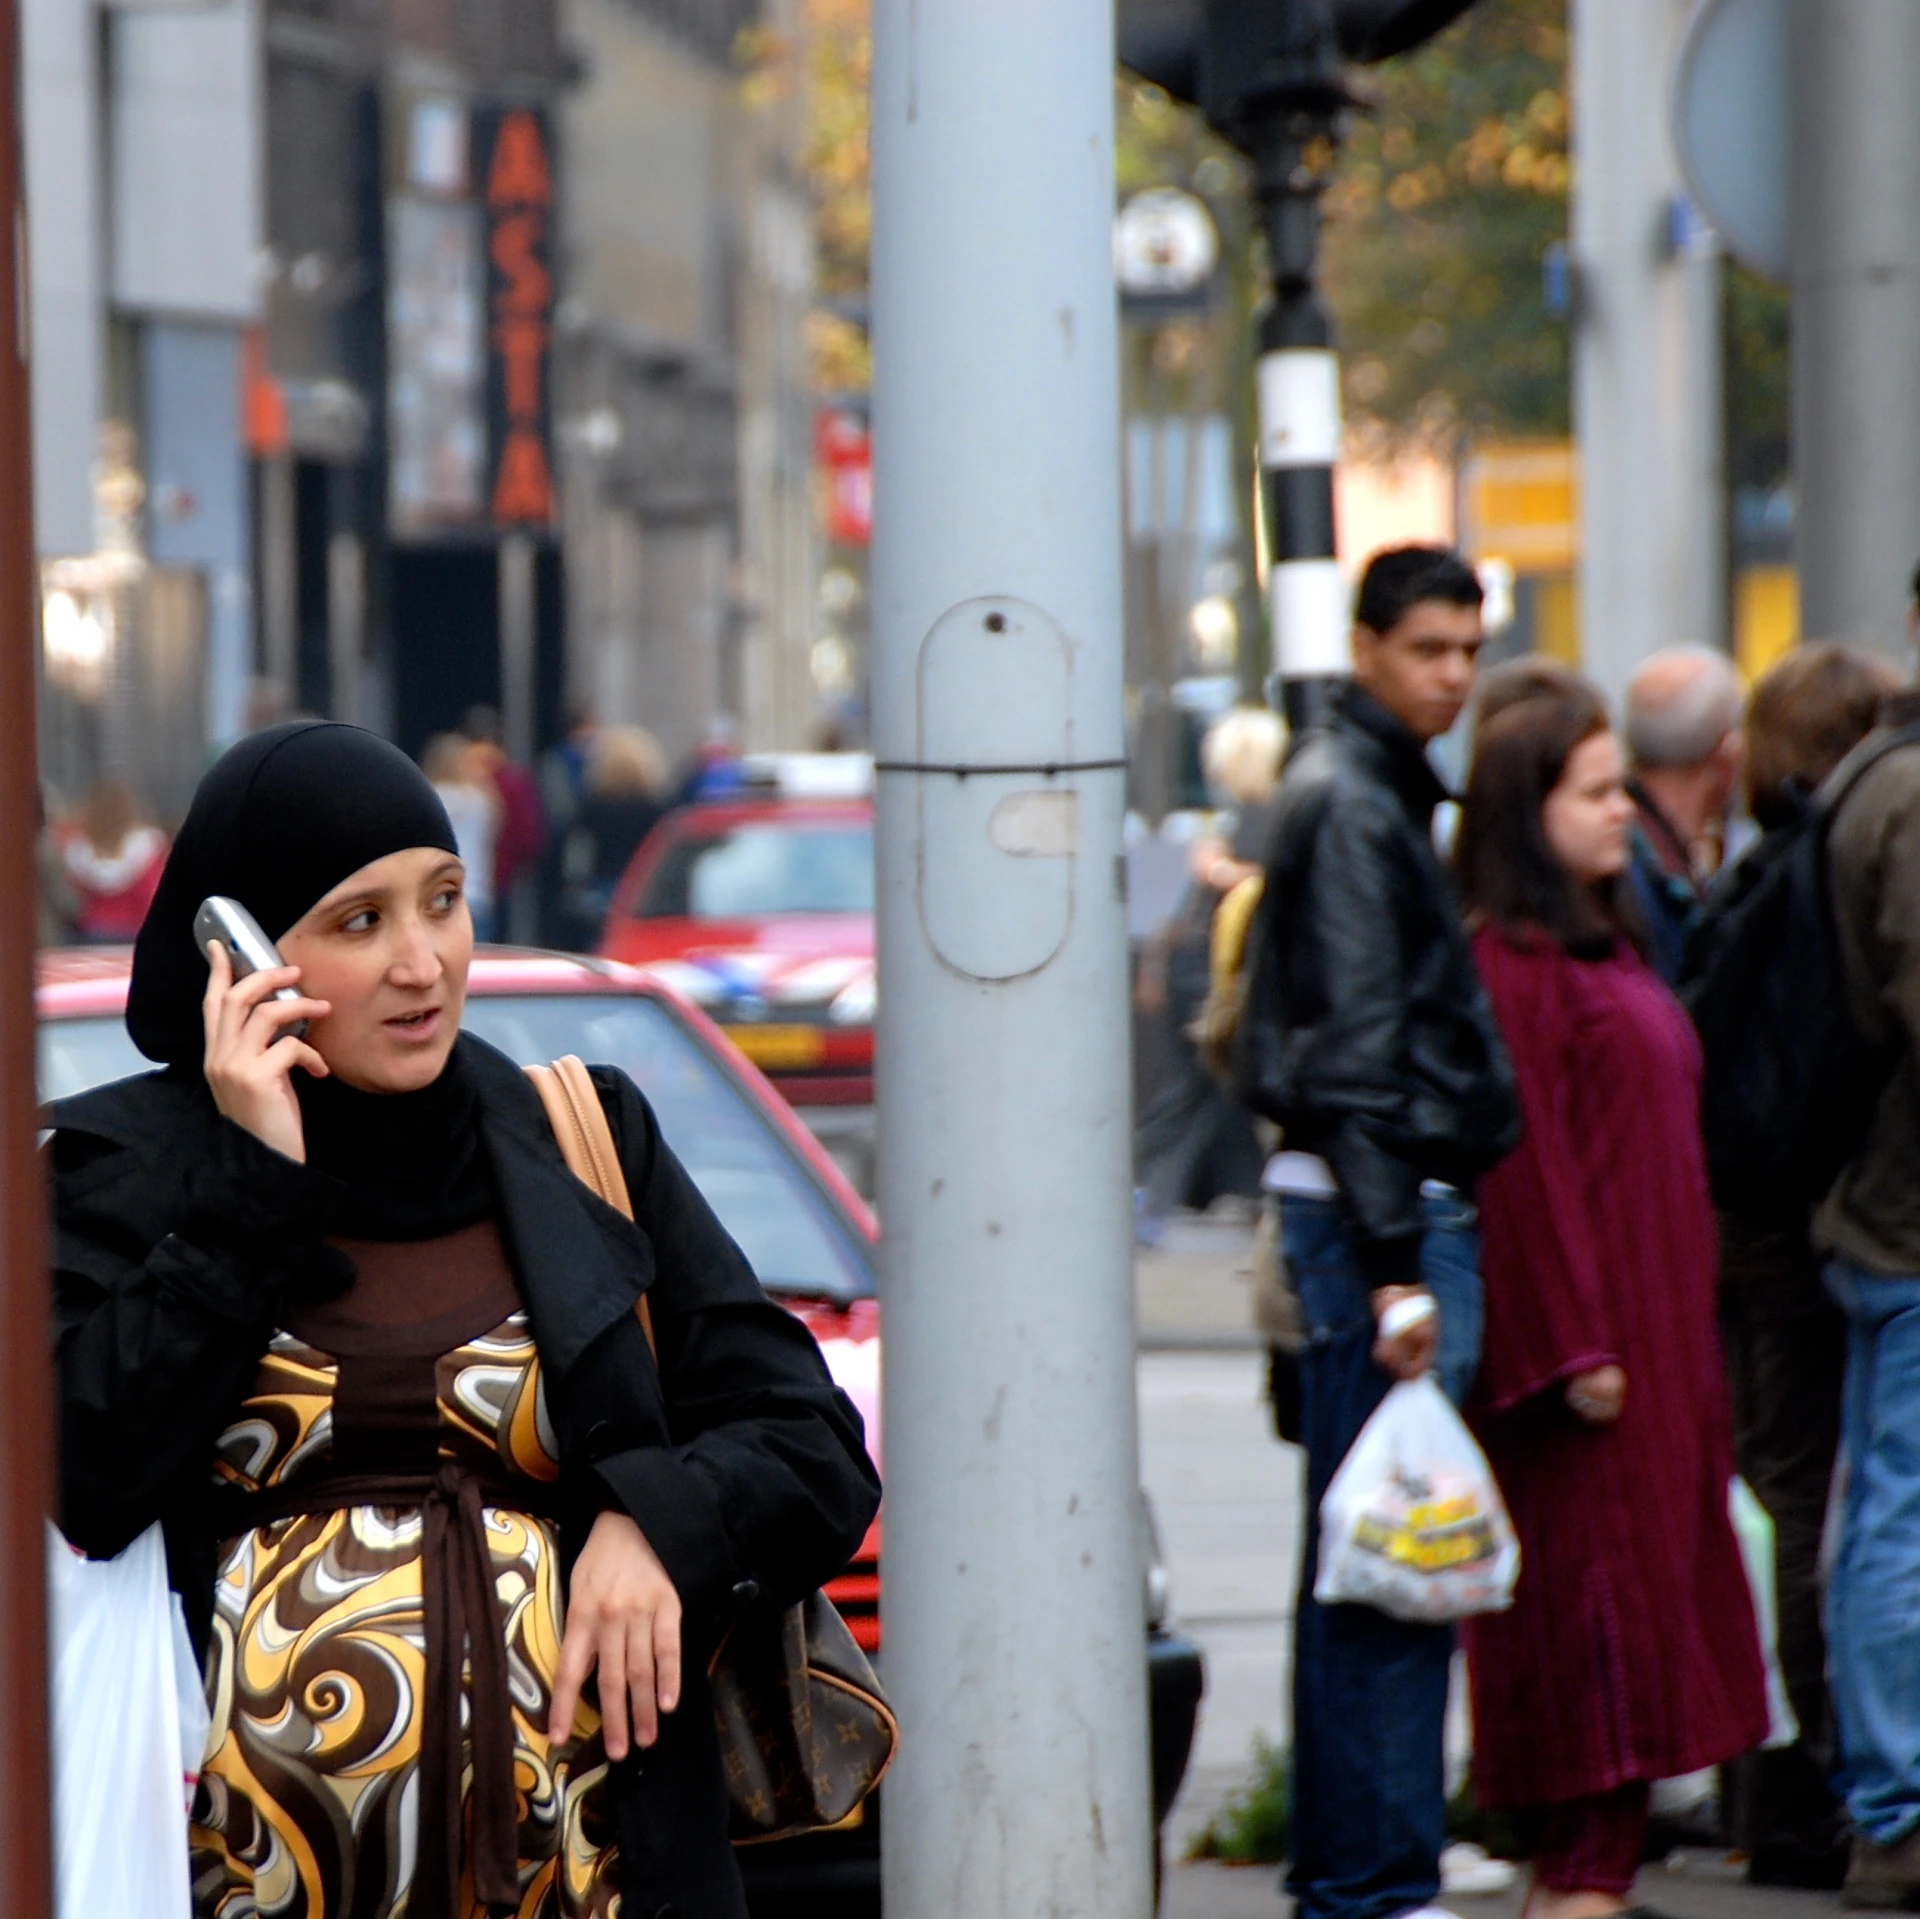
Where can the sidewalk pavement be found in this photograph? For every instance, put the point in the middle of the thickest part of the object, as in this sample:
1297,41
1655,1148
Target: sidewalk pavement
1193,1296
1194,1290
1704,1887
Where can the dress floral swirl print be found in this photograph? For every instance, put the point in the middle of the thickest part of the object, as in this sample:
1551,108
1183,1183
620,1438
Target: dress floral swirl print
308,1801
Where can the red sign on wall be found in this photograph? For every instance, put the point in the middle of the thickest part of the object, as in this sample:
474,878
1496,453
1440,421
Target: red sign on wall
519,213
843,451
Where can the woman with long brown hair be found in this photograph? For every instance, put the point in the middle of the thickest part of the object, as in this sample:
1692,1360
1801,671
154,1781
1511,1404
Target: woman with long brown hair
1630,1653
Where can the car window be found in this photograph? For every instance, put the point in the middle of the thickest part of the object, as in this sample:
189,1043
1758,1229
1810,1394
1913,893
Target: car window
76,1055
751,1176
761,868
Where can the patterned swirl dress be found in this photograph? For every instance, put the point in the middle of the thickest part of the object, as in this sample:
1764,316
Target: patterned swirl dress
314,1801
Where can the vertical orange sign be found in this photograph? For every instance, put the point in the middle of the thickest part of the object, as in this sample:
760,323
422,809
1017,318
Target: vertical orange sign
520,317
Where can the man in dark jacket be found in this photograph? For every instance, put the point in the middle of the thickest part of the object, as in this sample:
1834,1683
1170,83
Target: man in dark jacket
1367,1037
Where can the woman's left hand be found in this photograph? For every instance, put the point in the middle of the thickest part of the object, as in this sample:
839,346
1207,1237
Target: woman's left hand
623,1616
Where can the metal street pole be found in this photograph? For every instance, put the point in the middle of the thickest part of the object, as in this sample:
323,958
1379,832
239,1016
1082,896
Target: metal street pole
26,1437
1856,317
1297,384
1013,1600
1272,79
1652,514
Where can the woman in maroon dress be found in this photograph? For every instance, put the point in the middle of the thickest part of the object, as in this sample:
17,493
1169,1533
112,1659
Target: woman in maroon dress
1630,1653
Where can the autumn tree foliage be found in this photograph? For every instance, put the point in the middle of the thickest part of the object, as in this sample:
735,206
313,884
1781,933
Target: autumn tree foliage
1445,197
1444,202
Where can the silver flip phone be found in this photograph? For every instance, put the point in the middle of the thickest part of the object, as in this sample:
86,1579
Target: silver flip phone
227,921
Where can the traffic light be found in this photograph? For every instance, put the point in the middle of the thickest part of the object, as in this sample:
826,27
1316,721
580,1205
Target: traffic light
1223,54
1378,29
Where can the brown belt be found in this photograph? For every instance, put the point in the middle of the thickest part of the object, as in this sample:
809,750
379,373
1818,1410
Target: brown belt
462,1609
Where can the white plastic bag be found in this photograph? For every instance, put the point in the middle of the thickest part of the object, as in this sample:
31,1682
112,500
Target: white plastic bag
129,1730
1412,1523
1753,1527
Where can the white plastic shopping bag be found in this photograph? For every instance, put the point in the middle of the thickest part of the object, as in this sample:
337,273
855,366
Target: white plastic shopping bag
1412,1523
1753,1527
129,1729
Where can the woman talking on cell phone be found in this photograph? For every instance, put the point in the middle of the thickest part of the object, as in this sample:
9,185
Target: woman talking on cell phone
1630,1653
333,1310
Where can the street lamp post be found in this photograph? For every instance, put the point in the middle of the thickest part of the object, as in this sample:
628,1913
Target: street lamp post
1014,1607
1270,77
26,1440
1290,128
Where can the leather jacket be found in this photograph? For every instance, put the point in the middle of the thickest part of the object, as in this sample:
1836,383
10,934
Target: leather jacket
1367,1035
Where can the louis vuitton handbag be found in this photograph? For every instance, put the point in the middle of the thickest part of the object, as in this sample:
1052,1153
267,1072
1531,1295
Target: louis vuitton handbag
805,1731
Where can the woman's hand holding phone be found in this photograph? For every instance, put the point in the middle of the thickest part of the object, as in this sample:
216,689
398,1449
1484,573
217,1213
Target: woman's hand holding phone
251,1076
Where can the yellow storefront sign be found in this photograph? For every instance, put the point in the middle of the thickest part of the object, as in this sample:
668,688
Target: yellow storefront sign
1521,503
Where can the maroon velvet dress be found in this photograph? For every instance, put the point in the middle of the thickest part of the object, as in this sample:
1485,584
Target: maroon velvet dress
1630,1652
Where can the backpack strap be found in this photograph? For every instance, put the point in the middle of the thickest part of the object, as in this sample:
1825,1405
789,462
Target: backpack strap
1858,764
580,1126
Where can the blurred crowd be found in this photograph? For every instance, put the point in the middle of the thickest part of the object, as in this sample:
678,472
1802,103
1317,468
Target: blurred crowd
544,845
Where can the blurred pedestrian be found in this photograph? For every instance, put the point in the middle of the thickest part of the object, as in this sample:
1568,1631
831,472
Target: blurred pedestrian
521,836
1525,678
1868,1229
1683,732
1785,1339
110,855
1193,1143
625,799
473,805
716,772
562,774
58,898
1630,1653
564,766
1367,1038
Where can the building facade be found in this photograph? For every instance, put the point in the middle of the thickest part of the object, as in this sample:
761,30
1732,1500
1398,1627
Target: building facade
398,356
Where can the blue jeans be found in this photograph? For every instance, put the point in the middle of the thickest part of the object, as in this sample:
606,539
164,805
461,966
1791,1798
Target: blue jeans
1873,1603
1369,1692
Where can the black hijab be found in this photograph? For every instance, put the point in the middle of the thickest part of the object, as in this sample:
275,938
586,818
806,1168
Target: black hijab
277,823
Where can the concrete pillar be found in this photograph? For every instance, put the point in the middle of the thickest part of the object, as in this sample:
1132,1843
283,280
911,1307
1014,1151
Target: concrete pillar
1646,410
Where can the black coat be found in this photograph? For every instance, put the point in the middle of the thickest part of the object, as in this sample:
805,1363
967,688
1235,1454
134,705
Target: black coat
180,1240
1367,1035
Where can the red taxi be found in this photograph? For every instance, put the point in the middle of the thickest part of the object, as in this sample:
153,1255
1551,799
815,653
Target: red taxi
759,909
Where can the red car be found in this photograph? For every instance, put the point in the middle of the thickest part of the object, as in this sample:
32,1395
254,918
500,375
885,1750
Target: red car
760,910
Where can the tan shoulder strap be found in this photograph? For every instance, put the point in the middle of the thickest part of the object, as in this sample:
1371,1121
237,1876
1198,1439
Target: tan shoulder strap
580,1126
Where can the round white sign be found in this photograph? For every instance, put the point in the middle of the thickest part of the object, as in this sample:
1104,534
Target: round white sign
1164,243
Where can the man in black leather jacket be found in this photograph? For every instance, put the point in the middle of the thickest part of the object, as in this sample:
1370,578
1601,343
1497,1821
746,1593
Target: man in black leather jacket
1368,1038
